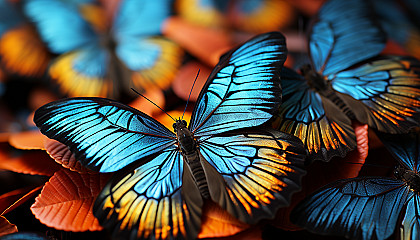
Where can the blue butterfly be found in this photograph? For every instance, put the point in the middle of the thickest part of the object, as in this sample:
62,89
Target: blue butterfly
250,171
345,82
370,207
99,56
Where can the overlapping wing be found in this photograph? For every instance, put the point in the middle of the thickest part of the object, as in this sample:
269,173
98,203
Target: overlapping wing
405,148
103,134
359,208
385,93
244,88
60,24
9,16
253,172
157,200
410,228
323,128
344,34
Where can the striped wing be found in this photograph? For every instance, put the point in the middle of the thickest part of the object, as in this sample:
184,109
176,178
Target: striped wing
244,89
410,228
251,172
149,202
360,208
323,128
384,93
103,134
344,33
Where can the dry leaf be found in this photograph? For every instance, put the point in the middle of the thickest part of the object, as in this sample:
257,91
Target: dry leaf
6,227
28,140
15,198
66,201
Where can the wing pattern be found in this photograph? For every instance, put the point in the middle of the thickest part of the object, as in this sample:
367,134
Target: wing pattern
148,202
103,134
323,128
261,169
361,208
243,90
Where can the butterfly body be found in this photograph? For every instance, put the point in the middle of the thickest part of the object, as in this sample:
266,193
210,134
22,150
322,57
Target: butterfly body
411,178
191,156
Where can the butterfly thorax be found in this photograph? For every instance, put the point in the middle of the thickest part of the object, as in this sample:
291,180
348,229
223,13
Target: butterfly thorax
191,155
323,87
411,178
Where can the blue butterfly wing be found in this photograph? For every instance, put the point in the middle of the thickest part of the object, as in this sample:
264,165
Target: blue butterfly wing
252,172
244,89
155,61
157,200
404,147
83,72
360,208
207,13
384,93
103,134
323,128
9,16
63,28
344,34
410,228
140,18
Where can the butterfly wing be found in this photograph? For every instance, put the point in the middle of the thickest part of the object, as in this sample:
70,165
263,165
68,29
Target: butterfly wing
410,228
252,172
344,33
103,134
360,208
63,28
150,202
385,93
9,16
323,128
243,90
202,12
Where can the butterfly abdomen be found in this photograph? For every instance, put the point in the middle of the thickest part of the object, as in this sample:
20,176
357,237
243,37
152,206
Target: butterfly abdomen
332,96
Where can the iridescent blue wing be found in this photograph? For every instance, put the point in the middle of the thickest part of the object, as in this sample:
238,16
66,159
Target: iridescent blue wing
157,200
83,72
344,33
63,28
103,134
244,88
384,93
404,147
140,18
359,208
323,128
410,228
252,172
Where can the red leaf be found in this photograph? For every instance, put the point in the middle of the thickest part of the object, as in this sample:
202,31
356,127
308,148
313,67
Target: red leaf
15,198
6,227
28,140
62,155
66,201
33,162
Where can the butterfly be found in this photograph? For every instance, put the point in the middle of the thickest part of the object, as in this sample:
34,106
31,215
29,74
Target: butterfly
163,178
255,16
103,56
21,49
345,82
370,207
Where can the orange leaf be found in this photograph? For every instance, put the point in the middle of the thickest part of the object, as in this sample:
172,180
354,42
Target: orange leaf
219,223
66,201
33,162
6,227
185,78
62,155
15,198
28,140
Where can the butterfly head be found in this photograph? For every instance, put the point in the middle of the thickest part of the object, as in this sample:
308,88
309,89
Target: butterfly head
411,178
185,138
314,79
179,124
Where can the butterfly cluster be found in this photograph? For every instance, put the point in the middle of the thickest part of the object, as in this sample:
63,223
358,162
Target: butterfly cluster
259,124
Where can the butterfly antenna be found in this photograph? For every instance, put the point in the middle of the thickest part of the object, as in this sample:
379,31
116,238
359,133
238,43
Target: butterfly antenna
134,90
188,99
